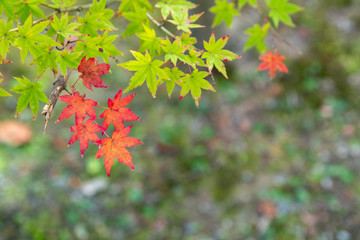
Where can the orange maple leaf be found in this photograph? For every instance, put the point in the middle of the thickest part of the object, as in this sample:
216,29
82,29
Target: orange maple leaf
116,113
115,147
78,105
84,133
273,62
91,72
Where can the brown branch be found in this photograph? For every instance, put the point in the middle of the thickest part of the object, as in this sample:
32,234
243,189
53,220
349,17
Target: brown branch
58,86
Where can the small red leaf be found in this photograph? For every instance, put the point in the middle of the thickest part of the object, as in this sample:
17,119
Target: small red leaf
273,62
91,72
84,133
116,113
115,147
79,106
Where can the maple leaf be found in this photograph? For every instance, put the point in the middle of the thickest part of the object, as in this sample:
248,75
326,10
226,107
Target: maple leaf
173,50
174,77
146,68
116,113
91,72
184,22
257,36
273,62
84,133
116,147
174,7
149,41
223,11
280,11
79,106
215,54
194,82
31,93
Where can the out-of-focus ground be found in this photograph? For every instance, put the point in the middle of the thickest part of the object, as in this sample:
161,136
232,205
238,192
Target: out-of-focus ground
261,159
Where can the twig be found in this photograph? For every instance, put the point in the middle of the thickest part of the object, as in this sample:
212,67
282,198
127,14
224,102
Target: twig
57,11
160,26
278,36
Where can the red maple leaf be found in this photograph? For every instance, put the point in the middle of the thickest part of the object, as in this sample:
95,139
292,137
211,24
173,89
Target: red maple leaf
116,113
115,147
79,106
84,133
273,62
91,72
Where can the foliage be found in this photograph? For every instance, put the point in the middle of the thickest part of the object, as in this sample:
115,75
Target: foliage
273,62
61,36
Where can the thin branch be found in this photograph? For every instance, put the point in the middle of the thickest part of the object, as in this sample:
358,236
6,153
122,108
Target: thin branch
57,11
278,36
160,25
47,5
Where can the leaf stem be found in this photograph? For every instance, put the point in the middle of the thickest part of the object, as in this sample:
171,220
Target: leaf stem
73,86
102,130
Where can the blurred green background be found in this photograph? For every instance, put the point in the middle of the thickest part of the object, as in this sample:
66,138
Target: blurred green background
261,159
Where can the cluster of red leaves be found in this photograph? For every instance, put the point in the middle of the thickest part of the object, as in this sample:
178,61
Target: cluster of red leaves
273,62
85,128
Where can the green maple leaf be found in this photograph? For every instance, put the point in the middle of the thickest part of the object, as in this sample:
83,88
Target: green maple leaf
8,9
184,22
257,36
101,46
194,82
174,78
174,6
31,40
6,37
223,11
3,93
281,10
46,59
90,24
104,13
193,58
173,51
149,41
97,19
31,93
63,27
146,69
131,5
137,19
29,7
187,41
252,3
68,59
215,54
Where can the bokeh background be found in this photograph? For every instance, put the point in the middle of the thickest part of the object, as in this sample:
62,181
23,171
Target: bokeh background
261,159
